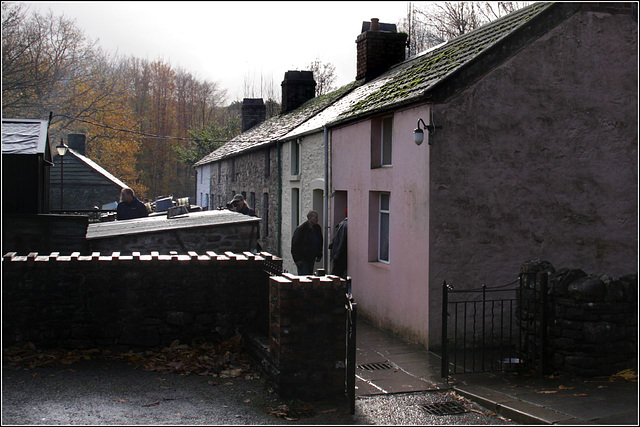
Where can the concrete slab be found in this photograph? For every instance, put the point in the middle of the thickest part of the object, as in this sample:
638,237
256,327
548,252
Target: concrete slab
514,395
525,412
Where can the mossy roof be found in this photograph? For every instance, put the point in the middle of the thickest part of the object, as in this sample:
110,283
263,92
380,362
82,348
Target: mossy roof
410,79
404,83
274,129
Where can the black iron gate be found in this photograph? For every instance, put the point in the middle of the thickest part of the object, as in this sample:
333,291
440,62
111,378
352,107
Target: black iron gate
495,329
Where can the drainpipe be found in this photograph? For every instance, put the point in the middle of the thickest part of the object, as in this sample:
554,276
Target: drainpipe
279,199
196,187
326,199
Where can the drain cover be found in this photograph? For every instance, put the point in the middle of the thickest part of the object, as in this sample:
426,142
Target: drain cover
375,366
445,408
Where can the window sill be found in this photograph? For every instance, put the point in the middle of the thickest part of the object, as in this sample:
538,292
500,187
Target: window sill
382,167
294,178
380,264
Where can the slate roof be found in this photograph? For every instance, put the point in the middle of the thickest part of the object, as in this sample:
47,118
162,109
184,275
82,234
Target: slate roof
25,136
410,79
404,83
93,165
162,223
275,128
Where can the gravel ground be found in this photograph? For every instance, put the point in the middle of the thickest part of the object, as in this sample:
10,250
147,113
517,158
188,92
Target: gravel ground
112,392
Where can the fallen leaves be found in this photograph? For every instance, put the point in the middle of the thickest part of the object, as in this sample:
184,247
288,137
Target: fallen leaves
562,387
29,357
546,391
293,412
625,375
226,359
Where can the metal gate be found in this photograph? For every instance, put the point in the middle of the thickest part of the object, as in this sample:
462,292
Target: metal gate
495,329
352,317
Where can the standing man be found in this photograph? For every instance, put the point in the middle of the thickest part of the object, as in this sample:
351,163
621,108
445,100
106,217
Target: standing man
339,250
130,207
306,244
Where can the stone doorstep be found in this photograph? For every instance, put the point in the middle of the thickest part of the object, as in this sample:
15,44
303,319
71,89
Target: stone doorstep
517,410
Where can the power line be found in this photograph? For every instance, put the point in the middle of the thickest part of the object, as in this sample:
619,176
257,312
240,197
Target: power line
146,135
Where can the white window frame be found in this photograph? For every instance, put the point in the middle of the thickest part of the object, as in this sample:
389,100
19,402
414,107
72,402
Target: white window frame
382,212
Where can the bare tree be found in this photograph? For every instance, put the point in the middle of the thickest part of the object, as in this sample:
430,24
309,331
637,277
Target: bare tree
263,87
433,23
43,57
324,73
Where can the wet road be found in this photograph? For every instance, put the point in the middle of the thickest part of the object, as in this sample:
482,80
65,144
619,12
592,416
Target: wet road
112,392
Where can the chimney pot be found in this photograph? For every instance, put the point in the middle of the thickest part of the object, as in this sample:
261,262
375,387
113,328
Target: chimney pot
375,24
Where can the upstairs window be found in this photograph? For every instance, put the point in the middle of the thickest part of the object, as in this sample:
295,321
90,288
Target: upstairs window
267,163
295,157
233,170
381,141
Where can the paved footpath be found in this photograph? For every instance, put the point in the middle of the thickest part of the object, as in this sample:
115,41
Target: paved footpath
525,399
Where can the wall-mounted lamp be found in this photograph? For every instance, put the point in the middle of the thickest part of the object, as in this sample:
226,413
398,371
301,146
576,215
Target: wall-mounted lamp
418,134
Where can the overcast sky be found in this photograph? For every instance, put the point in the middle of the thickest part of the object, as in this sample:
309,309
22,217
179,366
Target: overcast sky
230,42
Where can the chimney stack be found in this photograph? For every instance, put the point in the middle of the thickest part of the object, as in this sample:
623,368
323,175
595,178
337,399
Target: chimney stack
297,88
253,112
380,47
77,142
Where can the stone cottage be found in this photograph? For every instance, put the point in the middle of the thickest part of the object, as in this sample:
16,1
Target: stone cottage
251,164
530,152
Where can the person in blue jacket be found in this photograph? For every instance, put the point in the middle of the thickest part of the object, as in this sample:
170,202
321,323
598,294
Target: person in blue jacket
130,207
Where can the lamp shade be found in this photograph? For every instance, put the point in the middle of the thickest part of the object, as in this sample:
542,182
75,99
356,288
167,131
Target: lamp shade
418,136
61,149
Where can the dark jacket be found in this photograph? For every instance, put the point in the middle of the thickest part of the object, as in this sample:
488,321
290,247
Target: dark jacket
302,243
247,211
132,210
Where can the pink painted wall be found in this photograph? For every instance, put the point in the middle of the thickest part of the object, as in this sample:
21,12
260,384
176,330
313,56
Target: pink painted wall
394,295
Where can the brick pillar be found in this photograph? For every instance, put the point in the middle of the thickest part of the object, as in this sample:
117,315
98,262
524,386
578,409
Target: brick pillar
307,335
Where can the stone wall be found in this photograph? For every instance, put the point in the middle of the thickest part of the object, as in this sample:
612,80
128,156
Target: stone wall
246,173
593,323
592,319
143,300
44,233
307,335
310,178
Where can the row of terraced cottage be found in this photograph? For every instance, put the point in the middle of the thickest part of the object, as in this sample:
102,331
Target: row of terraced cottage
530,152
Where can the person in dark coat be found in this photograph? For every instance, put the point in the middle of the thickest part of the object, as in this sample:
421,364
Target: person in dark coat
339,250
306,244
238,204
130,207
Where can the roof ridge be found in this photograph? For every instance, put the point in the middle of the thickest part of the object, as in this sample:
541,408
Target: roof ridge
412,77
304,113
